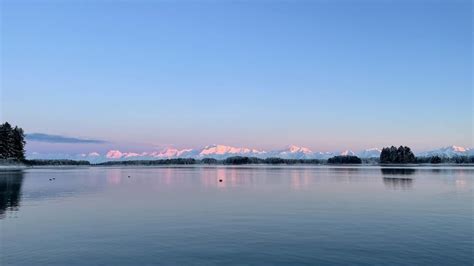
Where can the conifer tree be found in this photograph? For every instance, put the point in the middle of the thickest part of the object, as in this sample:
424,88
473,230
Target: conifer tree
18,144
12,142
6,140
393,155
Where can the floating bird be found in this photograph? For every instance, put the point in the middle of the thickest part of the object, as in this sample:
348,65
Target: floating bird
54,178
128,176
220,180
50,179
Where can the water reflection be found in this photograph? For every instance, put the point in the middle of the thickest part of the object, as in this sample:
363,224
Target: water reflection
346,174
10,191
164,215
228,177
300,179
459,177
398,178
398,183
114,176
398,171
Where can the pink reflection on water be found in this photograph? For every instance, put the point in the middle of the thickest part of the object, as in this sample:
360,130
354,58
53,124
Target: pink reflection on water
114,176
300,179
230,176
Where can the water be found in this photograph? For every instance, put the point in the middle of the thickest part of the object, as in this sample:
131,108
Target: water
256,215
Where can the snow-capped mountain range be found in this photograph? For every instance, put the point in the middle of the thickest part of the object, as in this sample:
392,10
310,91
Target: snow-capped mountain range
222,152
449,152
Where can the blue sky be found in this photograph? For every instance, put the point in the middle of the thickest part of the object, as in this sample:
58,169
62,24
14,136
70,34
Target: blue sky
265,74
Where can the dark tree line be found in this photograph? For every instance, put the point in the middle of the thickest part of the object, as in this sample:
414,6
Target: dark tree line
12,142
403,155
55,162
276,160
235,160
441,159
209,161
400,155
344,160
244,160
177,161
238,160
435,160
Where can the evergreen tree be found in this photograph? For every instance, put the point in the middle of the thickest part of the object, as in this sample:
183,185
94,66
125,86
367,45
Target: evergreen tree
12,142
394,155
18,144
384,155
409,157
6,140
435,159
3,142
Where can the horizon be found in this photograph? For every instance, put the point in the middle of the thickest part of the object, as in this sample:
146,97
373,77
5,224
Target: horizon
291,151
231,132
150,75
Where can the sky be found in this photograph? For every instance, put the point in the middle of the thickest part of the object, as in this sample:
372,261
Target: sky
328,75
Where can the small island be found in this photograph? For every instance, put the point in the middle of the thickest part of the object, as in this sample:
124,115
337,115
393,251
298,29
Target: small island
402,155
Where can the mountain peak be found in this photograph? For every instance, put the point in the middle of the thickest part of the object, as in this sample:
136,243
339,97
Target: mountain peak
457,148
449,151
219,151
294,149
347,153
223,149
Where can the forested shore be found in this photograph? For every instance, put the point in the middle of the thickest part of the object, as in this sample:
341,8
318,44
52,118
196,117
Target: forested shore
12,153
242,160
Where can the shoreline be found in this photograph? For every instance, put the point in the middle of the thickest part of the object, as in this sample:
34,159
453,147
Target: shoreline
289,166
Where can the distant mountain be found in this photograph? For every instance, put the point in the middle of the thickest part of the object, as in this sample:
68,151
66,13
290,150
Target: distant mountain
173,153
92,157
223,151
448,152
369,153
323,155
292,152
211,151
347,153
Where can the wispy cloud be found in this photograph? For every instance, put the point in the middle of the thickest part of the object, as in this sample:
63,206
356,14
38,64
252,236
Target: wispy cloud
41,137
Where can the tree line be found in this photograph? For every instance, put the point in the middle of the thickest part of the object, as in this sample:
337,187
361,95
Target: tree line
12,142
450,160
56,162
12,147
234,160
237,160
404,155
244,160
349,159
177,161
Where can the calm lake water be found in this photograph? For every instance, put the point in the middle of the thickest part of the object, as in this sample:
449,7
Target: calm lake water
256,215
